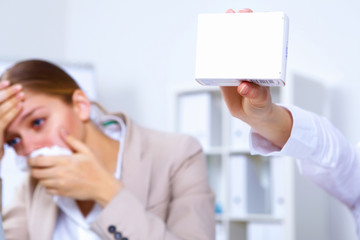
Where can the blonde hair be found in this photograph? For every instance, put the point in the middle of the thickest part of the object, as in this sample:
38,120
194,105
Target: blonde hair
43,77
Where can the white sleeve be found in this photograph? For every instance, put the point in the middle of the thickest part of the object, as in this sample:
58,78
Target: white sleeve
322,152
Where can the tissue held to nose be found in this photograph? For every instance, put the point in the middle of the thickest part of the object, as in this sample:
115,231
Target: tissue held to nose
21,161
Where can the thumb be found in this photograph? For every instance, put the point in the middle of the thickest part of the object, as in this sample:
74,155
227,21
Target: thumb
257,95
75,144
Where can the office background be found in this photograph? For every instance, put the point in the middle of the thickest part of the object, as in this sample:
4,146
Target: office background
141,49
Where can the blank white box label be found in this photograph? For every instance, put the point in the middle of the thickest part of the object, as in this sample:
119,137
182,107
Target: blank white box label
247,46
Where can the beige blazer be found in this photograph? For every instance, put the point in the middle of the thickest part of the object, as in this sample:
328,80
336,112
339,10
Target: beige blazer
166,194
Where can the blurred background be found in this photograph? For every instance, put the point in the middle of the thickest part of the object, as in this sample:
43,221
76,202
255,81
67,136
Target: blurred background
140,50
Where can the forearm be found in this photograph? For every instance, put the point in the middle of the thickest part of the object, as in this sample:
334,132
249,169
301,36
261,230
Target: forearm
323,154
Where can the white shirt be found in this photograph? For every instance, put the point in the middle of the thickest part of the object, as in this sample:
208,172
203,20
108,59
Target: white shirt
71,224
323,155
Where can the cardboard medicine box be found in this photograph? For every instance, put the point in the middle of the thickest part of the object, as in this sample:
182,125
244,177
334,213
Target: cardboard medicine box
232,47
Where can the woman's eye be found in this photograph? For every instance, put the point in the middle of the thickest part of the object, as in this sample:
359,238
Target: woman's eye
38,122
13,142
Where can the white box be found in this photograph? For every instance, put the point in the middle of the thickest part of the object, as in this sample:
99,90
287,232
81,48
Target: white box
242,46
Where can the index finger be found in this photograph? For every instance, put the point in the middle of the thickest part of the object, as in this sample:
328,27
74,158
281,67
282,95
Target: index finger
4,84
43,161
75,144
7,91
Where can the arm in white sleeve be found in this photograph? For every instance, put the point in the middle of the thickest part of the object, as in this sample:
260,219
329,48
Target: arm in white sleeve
324,155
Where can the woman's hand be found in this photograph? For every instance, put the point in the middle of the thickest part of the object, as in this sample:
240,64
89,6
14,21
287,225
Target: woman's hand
248,102
80,176
252,104
11,98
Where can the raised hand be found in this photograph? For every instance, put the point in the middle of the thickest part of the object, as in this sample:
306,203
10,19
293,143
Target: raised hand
252,104
11,98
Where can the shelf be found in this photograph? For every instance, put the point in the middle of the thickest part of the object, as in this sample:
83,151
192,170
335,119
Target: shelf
221,150
257,218
214,151
256,195
243,184
250,218
220,218
234,150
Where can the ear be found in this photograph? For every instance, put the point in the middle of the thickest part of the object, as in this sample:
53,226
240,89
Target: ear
81,105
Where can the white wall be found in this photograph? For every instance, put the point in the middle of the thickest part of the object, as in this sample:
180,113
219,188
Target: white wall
32,29
142,48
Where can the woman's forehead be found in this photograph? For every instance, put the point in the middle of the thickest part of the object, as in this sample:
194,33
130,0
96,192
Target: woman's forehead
34,102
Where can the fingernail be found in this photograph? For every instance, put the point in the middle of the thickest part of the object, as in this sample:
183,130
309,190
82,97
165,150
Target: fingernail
5,83
230,11
17,87
244,89
20,95
245,10
19,105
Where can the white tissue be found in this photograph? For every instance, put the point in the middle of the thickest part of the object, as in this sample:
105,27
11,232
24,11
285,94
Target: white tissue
21,161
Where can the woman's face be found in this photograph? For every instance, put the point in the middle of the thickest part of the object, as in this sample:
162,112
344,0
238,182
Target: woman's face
39,124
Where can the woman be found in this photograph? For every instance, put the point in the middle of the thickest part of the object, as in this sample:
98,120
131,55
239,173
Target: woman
121,181
323,154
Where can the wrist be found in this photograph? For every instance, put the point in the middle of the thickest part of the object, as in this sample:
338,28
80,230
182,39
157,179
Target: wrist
261,116
275,126
108,190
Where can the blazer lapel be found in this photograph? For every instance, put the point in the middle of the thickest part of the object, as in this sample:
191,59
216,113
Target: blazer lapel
136,169
43,215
